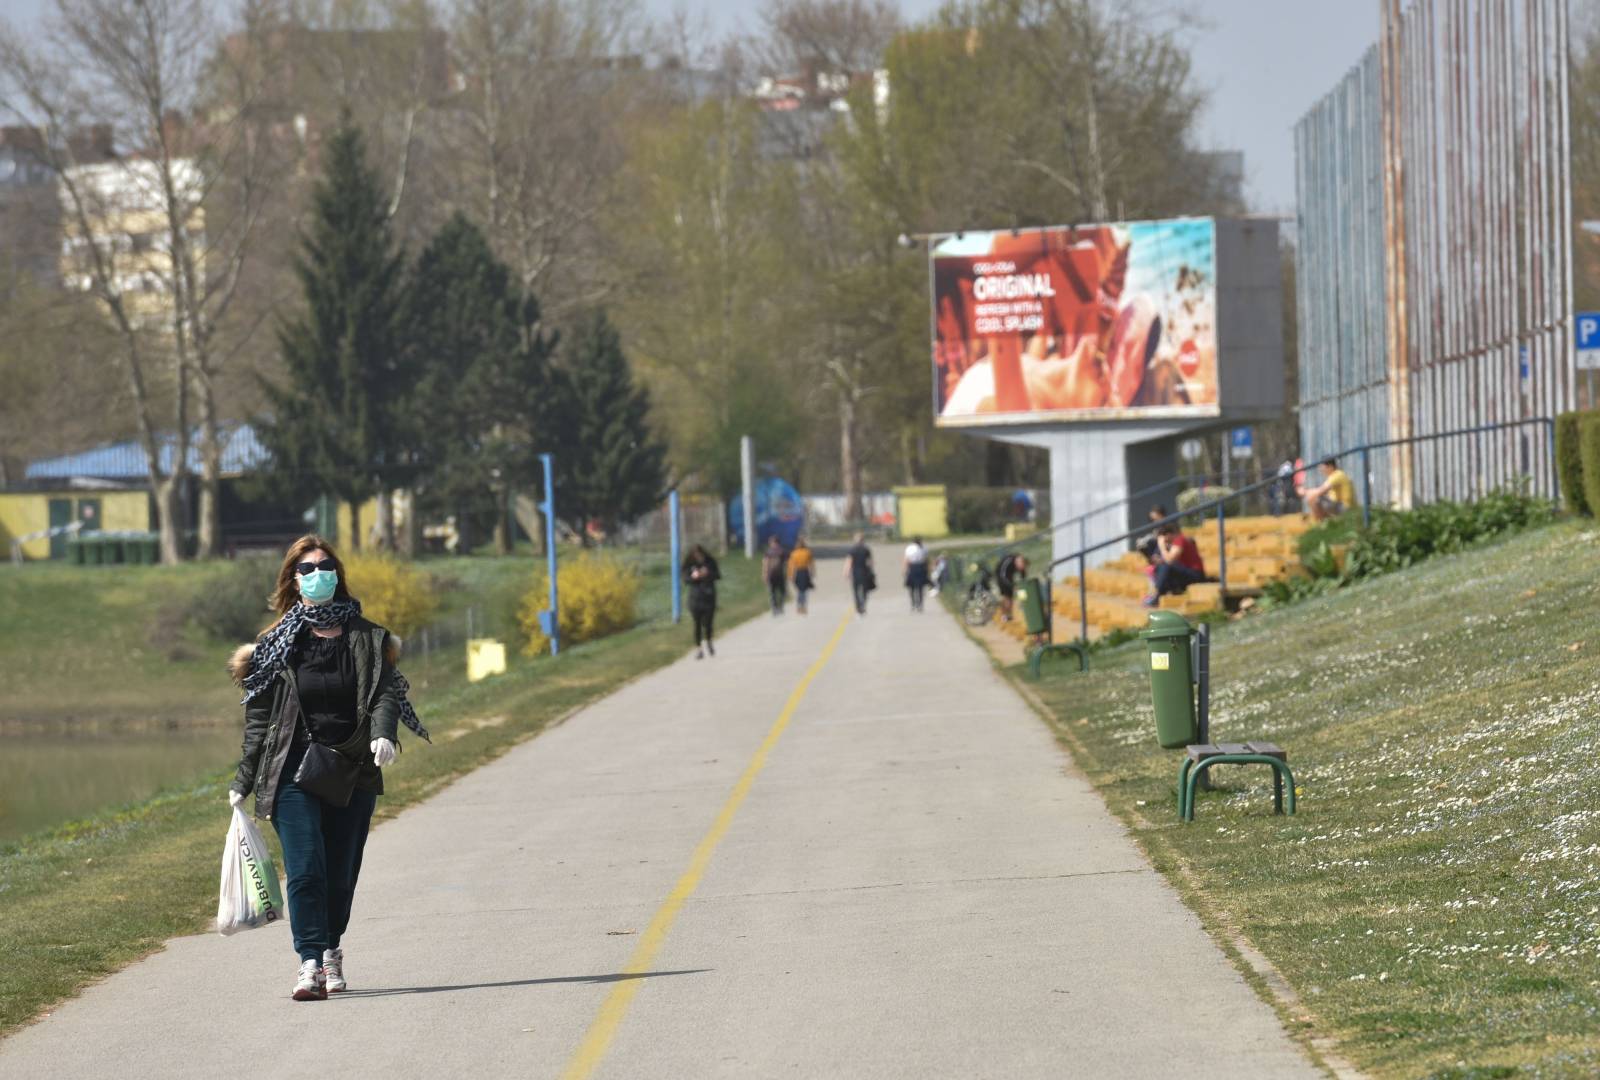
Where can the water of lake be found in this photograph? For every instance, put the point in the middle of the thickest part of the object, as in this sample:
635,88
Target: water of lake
54,777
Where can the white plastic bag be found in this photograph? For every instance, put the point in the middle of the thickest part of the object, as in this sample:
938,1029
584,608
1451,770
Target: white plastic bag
250,894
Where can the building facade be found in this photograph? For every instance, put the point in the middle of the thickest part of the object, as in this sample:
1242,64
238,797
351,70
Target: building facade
1434,254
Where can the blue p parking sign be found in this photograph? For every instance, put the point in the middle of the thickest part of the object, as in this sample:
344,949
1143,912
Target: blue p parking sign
1586,329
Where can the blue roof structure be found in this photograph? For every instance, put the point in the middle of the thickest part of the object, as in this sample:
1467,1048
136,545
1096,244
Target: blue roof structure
242,452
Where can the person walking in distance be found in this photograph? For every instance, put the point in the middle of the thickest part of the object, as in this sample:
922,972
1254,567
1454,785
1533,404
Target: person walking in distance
802,569
775,570
858,571
915,565
323,703
701,574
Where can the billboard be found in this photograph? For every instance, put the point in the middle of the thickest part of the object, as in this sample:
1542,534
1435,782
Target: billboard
1098,322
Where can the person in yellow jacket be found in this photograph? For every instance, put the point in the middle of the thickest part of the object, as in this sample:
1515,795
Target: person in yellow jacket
803,571
1332,497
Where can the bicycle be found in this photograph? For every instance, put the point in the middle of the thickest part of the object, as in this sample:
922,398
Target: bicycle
982,597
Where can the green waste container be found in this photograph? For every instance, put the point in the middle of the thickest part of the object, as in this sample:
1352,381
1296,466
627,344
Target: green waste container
93,548
1030,599
150,549
1168,643
75,553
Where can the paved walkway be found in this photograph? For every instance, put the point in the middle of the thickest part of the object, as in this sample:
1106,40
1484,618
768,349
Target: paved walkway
891,872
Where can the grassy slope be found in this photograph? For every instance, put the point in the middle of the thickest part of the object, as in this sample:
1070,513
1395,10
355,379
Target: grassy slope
83,900
1435,903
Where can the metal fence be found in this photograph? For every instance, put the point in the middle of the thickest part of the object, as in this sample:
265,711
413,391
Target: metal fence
1434,264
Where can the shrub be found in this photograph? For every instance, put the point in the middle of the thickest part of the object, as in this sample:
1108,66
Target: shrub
1589,459
979,510
1399,538
393,593
599,597
1569,462
232,605
1189,498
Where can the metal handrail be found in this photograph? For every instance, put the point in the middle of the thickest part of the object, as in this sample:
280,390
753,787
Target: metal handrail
1220,504
1082,520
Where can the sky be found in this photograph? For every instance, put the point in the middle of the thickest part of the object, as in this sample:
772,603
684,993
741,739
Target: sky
1263,62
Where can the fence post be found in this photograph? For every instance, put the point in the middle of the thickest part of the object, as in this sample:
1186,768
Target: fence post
1083,603
676,556
1366,489
1555,473
1222,545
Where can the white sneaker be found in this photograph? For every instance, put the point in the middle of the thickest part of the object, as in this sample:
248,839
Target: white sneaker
333,970
310,986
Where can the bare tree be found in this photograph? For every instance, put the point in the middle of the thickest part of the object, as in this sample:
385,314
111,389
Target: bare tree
536,143
147,234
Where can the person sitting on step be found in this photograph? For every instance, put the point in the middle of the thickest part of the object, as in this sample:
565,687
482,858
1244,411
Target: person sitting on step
1179,565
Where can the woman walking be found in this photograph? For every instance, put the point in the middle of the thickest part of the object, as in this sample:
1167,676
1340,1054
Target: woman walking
915,566
775,569
701,574
802,567
322,707
858,571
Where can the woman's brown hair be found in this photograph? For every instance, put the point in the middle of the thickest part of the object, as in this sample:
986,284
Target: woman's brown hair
287,593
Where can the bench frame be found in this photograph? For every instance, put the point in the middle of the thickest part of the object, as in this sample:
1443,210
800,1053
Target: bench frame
1202,756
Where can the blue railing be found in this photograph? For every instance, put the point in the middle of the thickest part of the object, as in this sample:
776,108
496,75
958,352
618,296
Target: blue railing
1219,505
1082,520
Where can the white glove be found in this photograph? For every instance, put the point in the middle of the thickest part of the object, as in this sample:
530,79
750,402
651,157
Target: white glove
234,798
383,751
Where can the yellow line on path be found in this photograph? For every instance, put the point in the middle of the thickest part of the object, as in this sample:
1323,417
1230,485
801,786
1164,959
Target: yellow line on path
604,1029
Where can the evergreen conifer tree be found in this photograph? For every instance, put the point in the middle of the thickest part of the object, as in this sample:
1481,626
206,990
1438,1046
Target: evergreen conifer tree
331,427
611,467
483,392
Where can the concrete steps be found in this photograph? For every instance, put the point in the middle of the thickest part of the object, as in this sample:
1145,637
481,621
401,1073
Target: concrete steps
1261,550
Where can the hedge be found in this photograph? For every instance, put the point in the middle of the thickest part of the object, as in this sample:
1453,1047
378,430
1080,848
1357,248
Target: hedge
1589,455
1569,463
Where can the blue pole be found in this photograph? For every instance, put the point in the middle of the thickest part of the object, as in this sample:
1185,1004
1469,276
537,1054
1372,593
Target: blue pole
677,556
548,508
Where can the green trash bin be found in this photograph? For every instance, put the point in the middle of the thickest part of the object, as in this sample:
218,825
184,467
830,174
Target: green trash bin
150,549
93,548
1168,643
1030,599
75,554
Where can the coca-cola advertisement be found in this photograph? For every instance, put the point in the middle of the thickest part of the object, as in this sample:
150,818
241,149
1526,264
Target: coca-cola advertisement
1097,322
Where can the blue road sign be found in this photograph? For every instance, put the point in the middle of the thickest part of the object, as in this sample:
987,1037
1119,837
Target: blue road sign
1586,329
1240,444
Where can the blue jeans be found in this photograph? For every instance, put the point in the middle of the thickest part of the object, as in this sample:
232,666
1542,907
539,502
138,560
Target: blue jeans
321,858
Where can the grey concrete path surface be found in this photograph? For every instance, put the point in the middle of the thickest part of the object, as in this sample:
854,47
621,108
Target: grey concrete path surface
914,884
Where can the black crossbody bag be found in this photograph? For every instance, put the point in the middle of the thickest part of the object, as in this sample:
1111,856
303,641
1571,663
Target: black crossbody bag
329,772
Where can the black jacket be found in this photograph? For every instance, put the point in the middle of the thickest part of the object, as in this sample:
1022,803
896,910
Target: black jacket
702,593
270,717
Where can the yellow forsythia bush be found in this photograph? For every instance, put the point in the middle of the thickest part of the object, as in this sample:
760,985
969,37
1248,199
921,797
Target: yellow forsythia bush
599,597
393,593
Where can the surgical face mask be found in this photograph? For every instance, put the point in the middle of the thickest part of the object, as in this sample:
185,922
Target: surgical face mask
318,586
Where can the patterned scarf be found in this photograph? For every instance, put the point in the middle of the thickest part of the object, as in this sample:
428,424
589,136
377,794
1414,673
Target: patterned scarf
273,649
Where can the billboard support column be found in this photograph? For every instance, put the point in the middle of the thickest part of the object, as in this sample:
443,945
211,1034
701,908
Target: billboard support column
747,470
